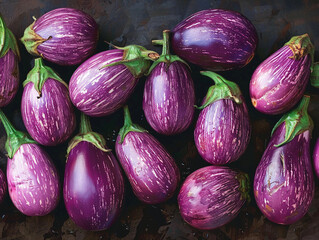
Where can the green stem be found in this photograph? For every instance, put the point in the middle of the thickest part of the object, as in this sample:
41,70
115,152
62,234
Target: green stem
7,40
244,185
10,130
85,126
314,77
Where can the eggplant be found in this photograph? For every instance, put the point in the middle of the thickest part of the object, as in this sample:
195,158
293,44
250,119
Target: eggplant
169,96
151,170
46,108
316,158
284,182
102,84
279,82
223,128
9,65
3,186
215,39
212,196
93,187
64,36
33,181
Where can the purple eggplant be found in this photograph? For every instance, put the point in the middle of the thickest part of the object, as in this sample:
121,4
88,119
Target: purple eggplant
104,82
65,36
33,181
46,108
9,69
223,128
169,96
279,82
3,186
213,196
284,182
151,170
93,183
215,39
316,158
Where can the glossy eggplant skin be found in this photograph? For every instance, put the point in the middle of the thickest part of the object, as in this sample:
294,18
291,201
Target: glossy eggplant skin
284,183
9,77
169,98
279,82
33,181
93,187
67,36
210,197
316,158
50,118
152,172
3,186
98,91
215,39
222,131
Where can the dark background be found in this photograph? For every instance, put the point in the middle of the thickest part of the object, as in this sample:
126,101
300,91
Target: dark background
138,22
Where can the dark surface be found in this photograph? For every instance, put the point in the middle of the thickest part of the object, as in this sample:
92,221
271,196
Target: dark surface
126,22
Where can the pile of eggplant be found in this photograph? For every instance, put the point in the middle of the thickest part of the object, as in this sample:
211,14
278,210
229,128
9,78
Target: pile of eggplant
94,179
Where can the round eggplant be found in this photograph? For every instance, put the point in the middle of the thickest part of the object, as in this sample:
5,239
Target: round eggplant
3,186
65,36
46,109
9,69
215,39
152,172
223,128
213,196
169,96
104,82
284,182
279,82
93,183
316,158
33,181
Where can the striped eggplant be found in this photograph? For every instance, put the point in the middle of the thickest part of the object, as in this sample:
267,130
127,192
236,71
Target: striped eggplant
46,109
215,39
169,96
3,186
152,172
316,158
104,82
212,196
223,128
93,183
65,36
279,82
33,181
284,182
9,69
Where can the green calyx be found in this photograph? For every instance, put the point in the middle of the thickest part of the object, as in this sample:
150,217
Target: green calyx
296,121
129,126
86,134
7,40
39,74
32,40
165,57
15,138
223,89
136,58
244,186
314,77
301,46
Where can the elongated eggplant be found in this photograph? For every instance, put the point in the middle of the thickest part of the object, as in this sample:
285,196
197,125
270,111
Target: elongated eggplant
151,170
284,182
46,109
3,186
279,82
223,128
9,69
215,39
65,36
93,183
169,97
213,196
104,82
316,158
33,181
